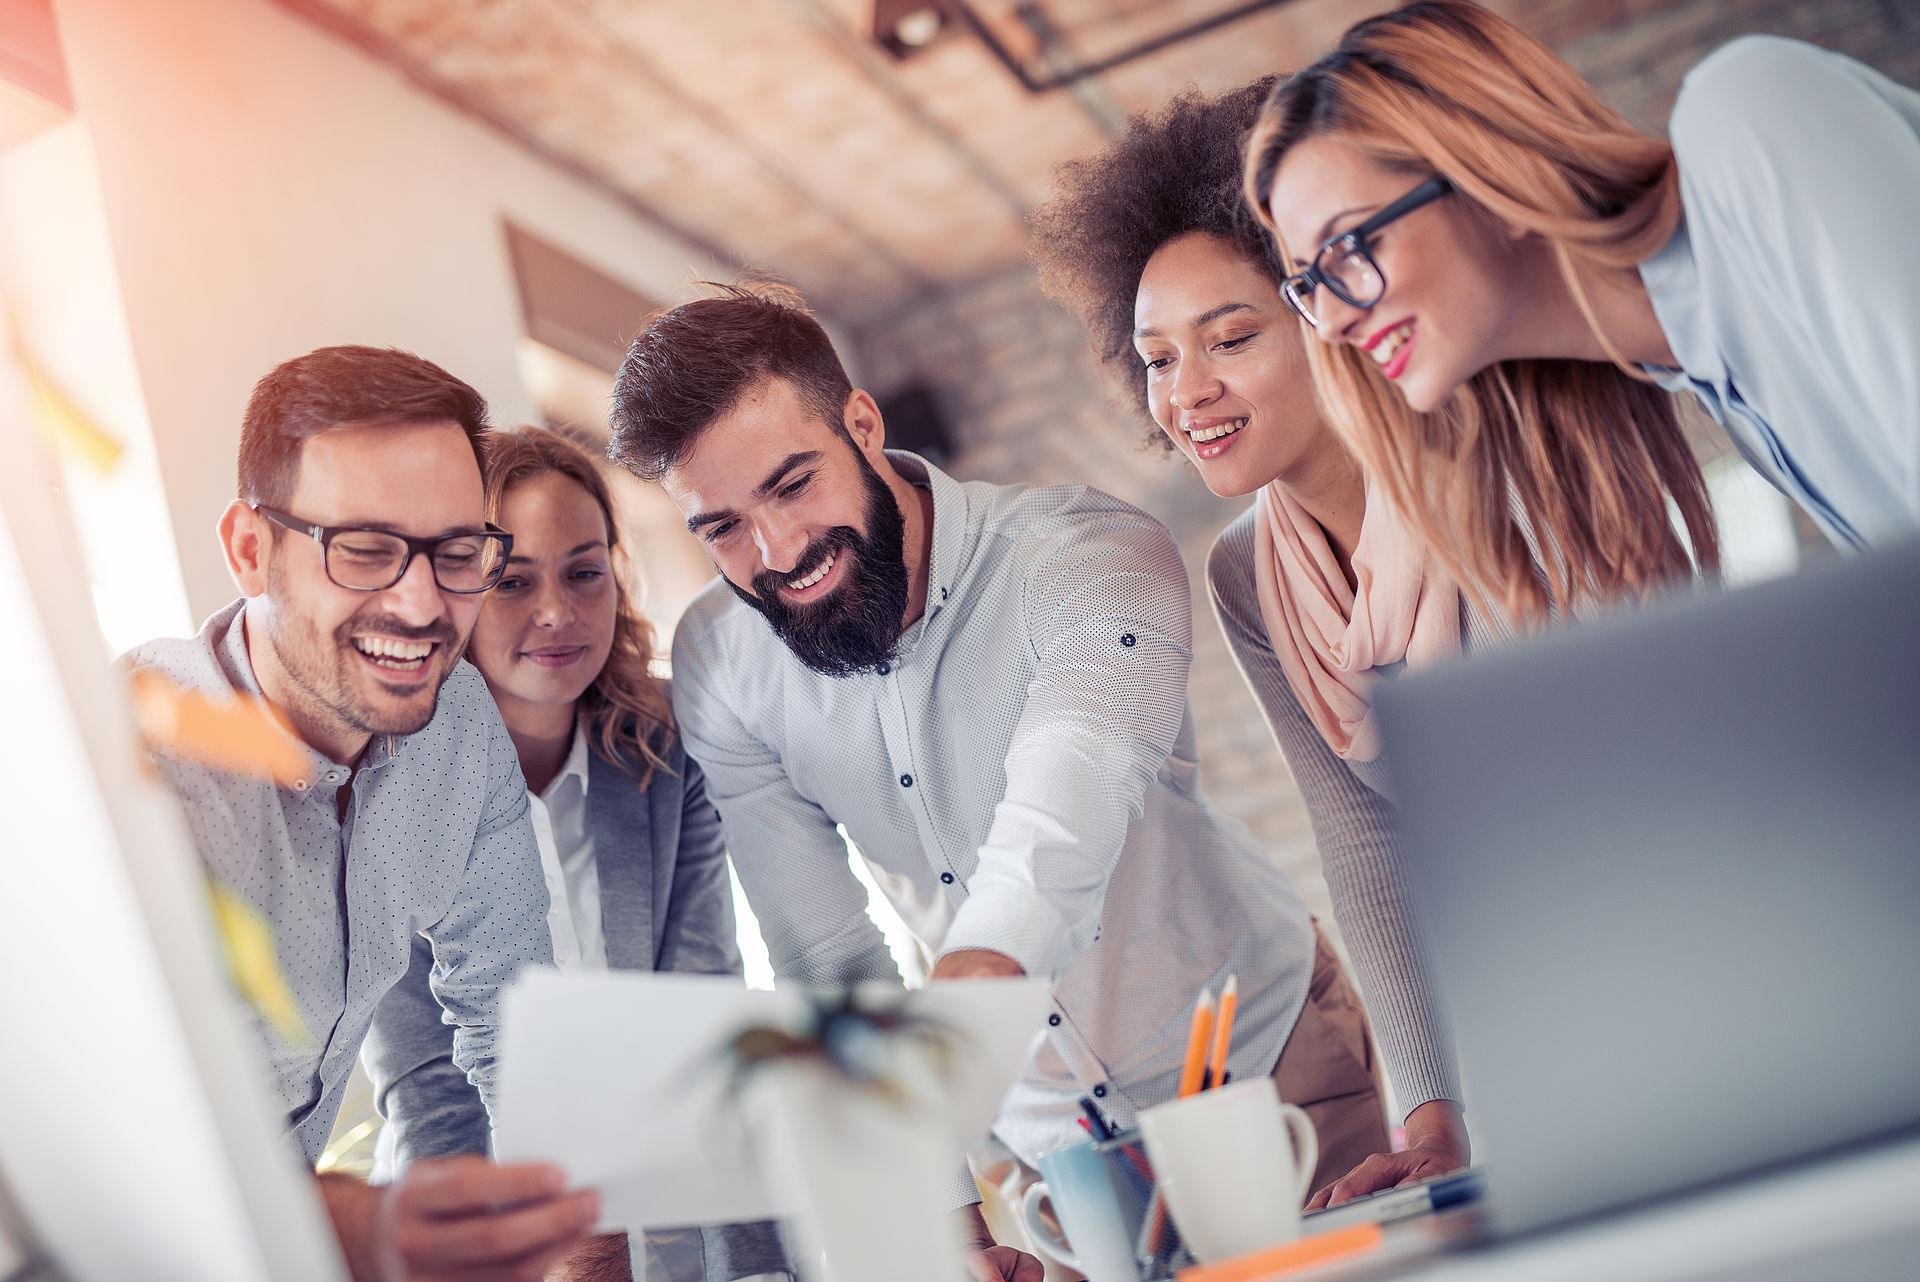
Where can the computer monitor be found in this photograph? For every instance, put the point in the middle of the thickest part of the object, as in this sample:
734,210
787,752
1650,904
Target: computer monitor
139,1137
1668,868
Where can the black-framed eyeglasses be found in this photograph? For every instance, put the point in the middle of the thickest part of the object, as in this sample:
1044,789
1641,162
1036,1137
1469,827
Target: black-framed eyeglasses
1345,263
374,560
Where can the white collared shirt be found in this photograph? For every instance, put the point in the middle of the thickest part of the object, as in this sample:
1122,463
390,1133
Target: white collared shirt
566,857
1021,777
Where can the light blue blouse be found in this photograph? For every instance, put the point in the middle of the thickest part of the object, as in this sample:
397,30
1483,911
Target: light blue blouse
1791,292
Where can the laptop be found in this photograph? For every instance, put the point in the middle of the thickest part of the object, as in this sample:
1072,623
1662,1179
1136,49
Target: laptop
1667,864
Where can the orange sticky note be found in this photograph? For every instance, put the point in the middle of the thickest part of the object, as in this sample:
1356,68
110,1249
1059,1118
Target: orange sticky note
1288,1257
237,736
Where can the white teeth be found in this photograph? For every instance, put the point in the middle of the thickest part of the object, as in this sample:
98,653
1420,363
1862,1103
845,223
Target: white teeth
1387,348
819,573
389,648
1215,433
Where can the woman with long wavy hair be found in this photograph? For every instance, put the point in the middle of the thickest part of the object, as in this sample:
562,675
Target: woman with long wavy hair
1321,592
1504,275
636,868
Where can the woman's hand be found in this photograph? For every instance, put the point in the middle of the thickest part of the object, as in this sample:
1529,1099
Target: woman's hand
1436,1144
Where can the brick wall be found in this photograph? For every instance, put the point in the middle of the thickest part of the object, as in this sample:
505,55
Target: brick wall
1013,374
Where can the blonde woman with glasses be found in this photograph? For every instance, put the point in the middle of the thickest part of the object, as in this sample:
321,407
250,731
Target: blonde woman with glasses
1504,276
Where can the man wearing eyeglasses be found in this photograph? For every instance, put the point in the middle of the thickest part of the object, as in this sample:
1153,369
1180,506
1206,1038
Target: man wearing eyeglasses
358,544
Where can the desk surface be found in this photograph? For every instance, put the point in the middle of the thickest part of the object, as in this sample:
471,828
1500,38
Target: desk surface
1845,1218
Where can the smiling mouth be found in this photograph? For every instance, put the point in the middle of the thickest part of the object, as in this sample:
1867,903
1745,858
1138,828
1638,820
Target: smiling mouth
404,658
1386,346
555,656
1214,433
818,573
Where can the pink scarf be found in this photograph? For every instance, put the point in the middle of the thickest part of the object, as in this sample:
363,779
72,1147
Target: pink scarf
1330,638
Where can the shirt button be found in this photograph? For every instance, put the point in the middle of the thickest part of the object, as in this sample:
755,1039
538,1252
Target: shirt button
1054,1019
299,785
947,877
1126,639
906,781
1100,1091
884,668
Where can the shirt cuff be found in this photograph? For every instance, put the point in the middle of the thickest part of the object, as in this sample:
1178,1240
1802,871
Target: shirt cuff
1016,922
963,1192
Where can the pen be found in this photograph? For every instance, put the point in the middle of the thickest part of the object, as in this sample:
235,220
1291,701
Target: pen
1196,1061
1223,1033
1096,1124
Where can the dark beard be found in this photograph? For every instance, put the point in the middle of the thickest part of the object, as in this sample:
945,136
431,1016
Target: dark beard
857,626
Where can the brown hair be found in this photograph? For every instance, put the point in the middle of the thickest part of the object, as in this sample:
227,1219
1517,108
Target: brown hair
339,387
627,708
1173,172
1588,452
693,363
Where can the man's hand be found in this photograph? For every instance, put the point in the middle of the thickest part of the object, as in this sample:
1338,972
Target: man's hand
459,1218
976,963
988,1261
1436,1144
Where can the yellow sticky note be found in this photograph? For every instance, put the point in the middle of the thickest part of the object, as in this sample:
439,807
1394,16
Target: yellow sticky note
63,423
256,966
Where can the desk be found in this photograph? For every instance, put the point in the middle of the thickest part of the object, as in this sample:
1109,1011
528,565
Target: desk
1854,1218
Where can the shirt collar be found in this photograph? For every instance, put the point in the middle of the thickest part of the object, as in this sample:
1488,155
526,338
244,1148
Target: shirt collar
576,764
230,651
950,540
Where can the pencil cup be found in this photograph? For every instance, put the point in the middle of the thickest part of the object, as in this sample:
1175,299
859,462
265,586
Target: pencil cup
1099,1194
1234,1165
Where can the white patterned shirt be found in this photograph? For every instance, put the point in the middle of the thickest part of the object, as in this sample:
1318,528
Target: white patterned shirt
1022,778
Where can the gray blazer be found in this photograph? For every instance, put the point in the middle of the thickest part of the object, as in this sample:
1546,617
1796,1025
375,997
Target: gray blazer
665,904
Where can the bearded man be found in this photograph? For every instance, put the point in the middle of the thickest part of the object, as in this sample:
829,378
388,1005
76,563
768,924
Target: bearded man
985,686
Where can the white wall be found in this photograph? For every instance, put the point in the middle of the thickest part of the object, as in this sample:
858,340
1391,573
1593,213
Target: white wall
270,190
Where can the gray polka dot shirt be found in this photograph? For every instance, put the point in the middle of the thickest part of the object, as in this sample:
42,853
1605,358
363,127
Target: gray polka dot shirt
436,842
1022,778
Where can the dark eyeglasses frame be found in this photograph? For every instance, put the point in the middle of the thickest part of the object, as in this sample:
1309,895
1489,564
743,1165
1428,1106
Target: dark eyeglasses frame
1299,287
324,535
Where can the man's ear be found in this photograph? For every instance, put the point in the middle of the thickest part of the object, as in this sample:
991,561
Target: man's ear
248,543
864,424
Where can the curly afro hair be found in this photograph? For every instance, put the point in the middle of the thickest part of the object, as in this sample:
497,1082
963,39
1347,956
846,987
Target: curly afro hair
1172,172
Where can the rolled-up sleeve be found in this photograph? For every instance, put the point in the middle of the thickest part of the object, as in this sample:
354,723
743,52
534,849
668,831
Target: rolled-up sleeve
1109,620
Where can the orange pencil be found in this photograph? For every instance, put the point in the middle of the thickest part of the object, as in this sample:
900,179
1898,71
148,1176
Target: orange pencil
1196,1062
1223,1030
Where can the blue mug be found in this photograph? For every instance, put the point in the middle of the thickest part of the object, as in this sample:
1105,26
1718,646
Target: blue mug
1100,1199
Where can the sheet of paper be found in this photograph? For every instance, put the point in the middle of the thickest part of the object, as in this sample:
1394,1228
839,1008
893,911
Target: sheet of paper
621,1078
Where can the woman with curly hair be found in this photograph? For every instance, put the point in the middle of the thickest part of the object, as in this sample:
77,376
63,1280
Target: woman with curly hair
1504,275
636,868
1320,591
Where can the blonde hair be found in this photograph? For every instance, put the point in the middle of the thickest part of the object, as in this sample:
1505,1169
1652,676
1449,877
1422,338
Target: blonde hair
627,708
1585,453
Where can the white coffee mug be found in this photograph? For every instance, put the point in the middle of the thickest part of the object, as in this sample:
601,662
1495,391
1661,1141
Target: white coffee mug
1234,1165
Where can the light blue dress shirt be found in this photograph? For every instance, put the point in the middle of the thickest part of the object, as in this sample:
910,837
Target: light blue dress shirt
435,843
1791,293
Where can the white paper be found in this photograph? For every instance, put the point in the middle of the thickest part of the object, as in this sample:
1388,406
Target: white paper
622,1079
